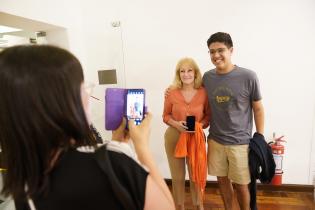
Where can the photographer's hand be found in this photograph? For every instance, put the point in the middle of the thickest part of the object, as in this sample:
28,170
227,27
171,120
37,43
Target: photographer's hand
159,192
140,133
121,134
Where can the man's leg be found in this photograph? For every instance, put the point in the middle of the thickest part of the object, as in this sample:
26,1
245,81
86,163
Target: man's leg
239,173
218,166
243,196
227,192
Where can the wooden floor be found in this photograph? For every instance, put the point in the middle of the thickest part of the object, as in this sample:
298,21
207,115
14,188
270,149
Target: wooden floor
267,200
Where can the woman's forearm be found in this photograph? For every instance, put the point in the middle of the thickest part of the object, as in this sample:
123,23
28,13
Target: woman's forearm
146,158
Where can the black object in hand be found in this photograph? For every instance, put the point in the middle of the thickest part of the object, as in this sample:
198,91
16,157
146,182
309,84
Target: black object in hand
190,123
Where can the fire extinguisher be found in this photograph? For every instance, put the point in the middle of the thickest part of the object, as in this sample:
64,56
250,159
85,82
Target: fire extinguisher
278,153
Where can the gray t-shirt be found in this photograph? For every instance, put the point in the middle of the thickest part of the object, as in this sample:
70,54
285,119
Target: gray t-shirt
230,97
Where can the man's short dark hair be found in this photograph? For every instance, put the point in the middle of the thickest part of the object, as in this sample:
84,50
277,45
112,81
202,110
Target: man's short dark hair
221,37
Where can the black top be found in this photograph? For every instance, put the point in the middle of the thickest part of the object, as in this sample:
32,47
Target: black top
77,182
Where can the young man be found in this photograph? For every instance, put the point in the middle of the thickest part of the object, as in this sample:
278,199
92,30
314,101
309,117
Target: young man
233,94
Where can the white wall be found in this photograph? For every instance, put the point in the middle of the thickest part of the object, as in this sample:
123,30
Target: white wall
312,155
274,38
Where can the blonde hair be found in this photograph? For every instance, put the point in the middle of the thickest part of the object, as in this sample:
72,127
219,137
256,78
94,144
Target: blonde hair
177,81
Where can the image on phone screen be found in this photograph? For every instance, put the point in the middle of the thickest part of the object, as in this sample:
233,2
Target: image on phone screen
135,105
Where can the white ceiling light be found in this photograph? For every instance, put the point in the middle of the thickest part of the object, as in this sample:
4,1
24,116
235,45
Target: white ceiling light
6,29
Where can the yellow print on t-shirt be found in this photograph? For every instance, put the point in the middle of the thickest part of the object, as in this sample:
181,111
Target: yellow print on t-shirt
222,99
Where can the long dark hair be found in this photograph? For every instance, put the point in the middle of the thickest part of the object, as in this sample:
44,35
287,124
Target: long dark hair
41,110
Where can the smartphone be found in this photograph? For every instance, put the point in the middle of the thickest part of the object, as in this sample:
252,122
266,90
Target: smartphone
190,123
135,105
114,107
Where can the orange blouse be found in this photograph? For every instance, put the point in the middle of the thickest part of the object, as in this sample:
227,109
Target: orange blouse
177,108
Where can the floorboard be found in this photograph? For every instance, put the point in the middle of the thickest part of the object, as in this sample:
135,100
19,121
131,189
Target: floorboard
266,200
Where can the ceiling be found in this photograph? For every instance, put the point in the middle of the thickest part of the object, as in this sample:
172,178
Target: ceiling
25,29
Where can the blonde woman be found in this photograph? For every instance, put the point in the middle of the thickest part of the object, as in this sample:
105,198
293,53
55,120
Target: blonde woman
186,98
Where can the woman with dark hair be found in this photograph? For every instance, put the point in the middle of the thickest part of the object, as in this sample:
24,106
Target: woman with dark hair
43,124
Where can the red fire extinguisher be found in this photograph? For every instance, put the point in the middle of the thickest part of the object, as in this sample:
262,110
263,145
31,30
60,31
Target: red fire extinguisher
278,154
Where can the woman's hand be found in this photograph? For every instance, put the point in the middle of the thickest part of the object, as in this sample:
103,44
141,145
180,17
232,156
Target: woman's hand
157,193
140,133
181,126
121,134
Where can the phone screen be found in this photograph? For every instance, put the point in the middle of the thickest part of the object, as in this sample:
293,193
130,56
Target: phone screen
190,123
135,105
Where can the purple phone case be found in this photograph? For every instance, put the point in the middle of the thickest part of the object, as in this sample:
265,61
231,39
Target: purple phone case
114,107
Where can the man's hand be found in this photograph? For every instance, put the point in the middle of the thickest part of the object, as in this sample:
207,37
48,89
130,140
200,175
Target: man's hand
168,90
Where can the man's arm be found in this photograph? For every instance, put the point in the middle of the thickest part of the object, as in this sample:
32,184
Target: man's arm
259,116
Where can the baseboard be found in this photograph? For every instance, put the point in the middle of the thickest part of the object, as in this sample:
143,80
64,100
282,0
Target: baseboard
265,187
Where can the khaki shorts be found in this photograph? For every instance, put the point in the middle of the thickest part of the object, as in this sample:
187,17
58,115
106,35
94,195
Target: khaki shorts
229,160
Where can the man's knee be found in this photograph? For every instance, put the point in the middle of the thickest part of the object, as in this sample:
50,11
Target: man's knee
223,180
242,188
